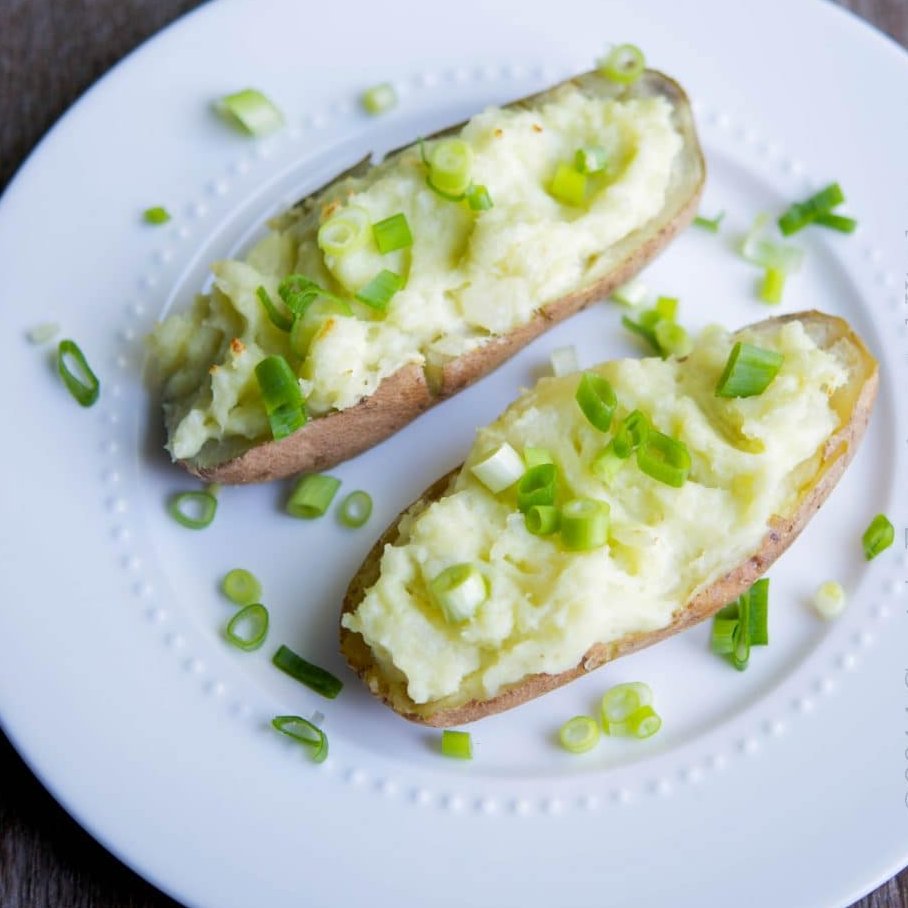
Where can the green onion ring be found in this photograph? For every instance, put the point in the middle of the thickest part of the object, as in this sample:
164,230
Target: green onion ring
248,628
82,383
304,732
355,509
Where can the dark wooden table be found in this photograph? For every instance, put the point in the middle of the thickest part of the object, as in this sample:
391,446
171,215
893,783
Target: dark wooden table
50,52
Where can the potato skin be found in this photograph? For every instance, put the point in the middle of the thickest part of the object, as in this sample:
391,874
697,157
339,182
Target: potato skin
854,403
401,397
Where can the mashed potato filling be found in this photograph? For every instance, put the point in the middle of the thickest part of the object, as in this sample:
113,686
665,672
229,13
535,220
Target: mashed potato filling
471,275
547,606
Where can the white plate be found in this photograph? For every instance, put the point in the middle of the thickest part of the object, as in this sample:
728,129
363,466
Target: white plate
784,785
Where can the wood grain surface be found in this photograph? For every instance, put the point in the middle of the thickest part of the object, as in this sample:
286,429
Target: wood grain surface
50,52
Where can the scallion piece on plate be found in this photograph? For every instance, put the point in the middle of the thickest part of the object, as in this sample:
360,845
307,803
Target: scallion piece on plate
248,628
645,328
241,587
568,185
312,495
458,591
624,64
392,233
379,291
450,164
597,399
666,308
742,624
772,285
749,371
320,680
41,334
564,361
758,613
156,215
193,510
722,640
457,744
478,198
590,159
584,524
672,338
379,98
623,700
304,732
758,249
664,458
532,456
878,536
251,111
543,519
281,395
537,486
355,509
643,723
275,316
630,434
710,224
500,470
836,222
579,734
829,600
345,231
800,214
630,294
73,368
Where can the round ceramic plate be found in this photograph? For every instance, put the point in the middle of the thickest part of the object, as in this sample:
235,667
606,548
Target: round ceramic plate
782,785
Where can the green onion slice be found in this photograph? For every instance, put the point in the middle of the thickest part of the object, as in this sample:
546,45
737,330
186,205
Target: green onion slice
42,333
723,635
543,519
379,98
664,458
500,470
590,159
73,368
251,111
631,433
772,285
568,185
156,215
392,233
478,198
320,680
345,232
457,744
275,316
299,292
450,164
312,495
878,536
624,64
378,292
458,591
672,338
537,486
305,732
241,587
623,700
597,399
643,723
579,734
800,214
836,222
829,600
749,371
355,509
710,224
282,396
248,628
759,250
641,329
193,510
532,457
666,308
758,613
630,294
564,361
584,524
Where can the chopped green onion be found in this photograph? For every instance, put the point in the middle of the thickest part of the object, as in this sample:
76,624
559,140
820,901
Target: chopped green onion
379,98
457,744
829,599
500,470
193,510
537,486
79,379
299,292
710,224
564,361
590,159
647,332
584,524
276,317
749,371
664,458
878,536
666,308
345,232
248,628
281,395
156,215
623,700
624,64
320,680
458,591
630,434
579,734
643,723
766,253
597,399
355,509
42,333
800,214
568,185
305,732
630,294
836,222
672,338
607,463
758,613
742,624
251,111
241,587
543,519
740,650
772,285
312,495
379,291
392,233
532,457
450,164
723,635
478,198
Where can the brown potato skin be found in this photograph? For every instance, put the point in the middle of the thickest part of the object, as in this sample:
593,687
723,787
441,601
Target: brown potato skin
855,403
338,436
